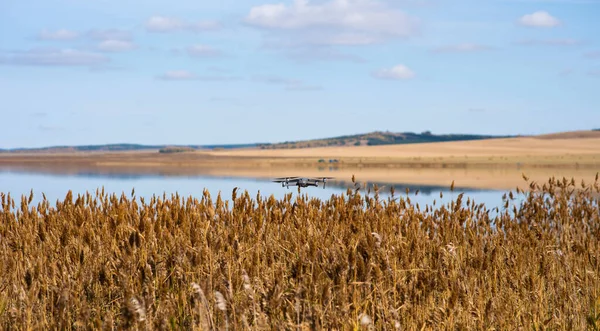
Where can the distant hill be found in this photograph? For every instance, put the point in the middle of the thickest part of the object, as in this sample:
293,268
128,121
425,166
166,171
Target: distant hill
366,139
595,133
378,138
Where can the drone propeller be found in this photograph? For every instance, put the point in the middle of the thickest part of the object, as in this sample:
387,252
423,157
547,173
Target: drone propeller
323,179
284,179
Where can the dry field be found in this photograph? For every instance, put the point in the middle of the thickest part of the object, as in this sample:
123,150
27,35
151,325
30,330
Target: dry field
351,262
547,147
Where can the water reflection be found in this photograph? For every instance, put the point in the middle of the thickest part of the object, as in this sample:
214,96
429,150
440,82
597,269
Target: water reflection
55,185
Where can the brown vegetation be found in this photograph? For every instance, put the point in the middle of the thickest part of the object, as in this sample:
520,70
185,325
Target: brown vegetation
176,149
480,150
571,135
353,261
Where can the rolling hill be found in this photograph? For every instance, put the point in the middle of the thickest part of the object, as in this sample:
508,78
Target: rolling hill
366,139
378,138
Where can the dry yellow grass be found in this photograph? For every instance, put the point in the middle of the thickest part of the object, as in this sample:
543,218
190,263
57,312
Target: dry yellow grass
351,262
571,135
510,147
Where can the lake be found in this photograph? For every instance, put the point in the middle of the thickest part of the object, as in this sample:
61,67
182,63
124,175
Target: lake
55,187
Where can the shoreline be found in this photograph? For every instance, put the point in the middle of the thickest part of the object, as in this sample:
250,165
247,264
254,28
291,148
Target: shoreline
497,164
495,177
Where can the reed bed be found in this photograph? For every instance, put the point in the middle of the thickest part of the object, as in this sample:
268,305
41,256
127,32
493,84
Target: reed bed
354,261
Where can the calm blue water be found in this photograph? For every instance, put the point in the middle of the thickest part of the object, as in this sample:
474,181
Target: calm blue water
56,186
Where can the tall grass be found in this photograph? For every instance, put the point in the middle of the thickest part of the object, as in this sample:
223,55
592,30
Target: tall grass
354,261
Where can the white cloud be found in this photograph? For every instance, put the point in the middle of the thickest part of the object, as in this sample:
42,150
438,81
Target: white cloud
463,48
203,51
163,24
170,24
540,19
62,34
115,46
56,57
397,72
335,22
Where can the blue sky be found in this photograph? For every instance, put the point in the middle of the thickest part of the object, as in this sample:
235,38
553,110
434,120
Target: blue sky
80,72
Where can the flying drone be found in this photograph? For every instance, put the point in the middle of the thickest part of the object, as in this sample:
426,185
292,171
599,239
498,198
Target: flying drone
301,181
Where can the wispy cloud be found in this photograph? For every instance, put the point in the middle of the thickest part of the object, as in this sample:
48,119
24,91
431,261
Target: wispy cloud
540,19
93,34
108,68
220,70
109,34
476,110
592,55
177,75
289,84
312,54
203,51
58,35
549,42
231,101
223,99
594,72
463,48
398,72
334,22
50,128
55,57
184,75
106,40
302,53
566,72
570,2
163,24
116,46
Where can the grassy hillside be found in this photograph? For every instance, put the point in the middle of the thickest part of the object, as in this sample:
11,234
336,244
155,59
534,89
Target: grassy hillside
378,138
365,139
572,135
